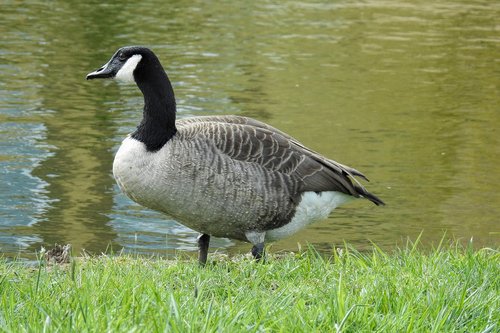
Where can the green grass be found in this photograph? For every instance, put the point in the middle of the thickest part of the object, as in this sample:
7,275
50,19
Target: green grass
452,289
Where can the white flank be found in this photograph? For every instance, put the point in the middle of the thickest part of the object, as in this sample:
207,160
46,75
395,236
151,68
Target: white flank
126,73
313,207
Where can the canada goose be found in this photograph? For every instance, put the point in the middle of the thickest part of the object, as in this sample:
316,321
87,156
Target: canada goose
223,176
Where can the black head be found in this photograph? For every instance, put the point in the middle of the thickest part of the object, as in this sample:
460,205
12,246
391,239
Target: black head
124,64
140,65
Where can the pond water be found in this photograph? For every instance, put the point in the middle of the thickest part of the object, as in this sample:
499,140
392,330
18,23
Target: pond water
406,92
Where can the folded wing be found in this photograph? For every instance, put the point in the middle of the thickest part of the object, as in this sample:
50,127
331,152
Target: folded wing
252,141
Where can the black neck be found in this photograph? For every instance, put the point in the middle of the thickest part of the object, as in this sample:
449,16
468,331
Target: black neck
158,120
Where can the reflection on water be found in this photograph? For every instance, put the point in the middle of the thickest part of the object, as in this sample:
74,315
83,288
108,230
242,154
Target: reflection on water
406,92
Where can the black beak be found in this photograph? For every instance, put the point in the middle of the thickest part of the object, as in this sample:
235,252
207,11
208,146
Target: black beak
104,72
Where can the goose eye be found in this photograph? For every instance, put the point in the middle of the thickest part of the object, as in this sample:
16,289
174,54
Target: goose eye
122,57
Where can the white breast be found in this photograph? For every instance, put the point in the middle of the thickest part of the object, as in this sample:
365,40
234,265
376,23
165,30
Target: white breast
130,167
313,207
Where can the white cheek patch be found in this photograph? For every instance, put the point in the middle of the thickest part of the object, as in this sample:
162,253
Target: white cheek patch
126,73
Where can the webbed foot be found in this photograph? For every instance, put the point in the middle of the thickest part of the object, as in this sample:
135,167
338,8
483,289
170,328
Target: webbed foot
258,251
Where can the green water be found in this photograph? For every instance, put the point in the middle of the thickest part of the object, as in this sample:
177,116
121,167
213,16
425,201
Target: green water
407,92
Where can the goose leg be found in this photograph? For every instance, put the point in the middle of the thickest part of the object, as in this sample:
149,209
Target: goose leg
203,241
257,239
258,251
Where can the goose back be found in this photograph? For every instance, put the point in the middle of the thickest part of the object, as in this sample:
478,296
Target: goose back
273,144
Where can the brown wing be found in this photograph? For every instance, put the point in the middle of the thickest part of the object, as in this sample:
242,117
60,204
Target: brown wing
255,123
251,141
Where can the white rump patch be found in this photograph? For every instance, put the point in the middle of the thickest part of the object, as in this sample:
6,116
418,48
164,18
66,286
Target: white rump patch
312,207
126,73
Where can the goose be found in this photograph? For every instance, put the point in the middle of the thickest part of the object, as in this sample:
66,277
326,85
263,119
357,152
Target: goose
223,176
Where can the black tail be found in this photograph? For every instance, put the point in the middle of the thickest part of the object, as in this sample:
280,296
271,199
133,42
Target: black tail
365,194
